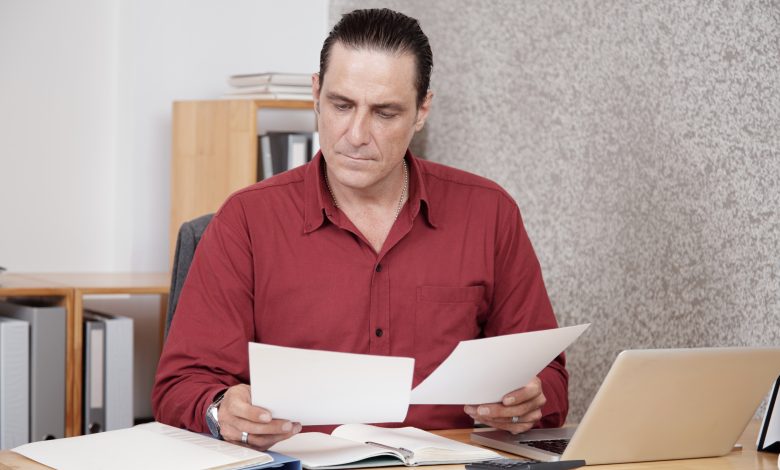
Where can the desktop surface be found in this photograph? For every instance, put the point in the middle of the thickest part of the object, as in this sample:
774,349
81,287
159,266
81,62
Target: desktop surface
745,458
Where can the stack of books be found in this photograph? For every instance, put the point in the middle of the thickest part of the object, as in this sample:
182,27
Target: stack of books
270,86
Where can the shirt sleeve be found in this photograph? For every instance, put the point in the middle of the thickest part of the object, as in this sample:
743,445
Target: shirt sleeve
206,348
520,303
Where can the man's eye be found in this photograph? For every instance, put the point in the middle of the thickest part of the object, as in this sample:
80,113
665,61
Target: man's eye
341,107
385,115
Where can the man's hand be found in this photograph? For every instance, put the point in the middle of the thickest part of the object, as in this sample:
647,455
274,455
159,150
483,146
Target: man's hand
237,415
518,411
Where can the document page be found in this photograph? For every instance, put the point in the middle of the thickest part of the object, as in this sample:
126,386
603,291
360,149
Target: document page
484,370
425,445
323,387
148,446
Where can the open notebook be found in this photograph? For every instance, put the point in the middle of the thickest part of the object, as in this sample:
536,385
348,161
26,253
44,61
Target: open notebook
363,445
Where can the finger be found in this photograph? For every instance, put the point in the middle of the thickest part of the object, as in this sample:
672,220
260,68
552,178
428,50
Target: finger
514,428
528,392
237,402
261,441
532,417
497,410
235,427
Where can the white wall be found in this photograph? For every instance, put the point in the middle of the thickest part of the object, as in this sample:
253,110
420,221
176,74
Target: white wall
86,89
57,134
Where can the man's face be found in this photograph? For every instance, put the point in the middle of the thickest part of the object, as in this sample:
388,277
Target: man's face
367,115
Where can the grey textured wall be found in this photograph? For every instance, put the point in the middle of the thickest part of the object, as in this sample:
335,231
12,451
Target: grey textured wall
642,143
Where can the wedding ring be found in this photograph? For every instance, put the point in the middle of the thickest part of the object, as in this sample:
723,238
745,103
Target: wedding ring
515,419
245,437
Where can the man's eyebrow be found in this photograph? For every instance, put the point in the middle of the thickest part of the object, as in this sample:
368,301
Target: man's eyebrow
337,97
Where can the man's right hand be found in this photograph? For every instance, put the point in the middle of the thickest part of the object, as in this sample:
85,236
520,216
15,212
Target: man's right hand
237,415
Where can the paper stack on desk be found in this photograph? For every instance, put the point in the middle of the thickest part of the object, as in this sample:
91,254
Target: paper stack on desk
360,388
148,446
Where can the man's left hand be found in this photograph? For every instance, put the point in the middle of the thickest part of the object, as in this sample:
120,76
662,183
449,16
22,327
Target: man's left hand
518,411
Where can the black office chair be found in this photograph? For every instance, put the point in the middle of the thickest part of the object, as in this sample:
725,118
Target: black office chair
186,242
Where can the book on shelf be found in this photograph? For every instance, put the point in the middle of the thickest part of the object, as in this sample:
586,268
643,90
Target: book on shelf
253,79
364,445
282,151
270,88
150,446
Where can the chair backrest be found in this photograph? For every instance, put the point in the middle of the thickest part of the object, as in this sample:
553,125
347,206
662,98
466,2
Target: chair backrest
186,242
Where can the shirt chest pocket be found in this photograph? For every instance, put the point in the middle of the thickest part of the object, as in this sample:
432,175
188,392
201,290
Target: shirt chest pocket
444,316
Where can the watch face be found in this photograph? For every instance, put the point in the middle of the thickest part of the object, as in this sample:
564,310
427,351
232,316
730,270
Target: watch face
213,422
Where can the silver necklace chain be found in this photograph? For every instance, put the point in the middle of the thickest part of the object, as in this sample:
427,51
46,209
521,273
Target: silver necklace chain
404,190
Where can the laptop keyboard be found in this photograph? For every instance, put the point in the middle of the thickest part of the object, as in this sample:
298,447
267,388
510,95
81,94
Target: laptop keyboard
556,446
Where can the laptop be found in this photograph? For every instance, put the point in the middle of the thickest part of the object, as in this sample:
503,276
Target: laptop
658,404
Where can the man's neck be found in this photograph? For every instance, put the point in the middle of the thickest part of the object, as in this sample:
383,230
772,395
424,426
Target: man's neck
373,210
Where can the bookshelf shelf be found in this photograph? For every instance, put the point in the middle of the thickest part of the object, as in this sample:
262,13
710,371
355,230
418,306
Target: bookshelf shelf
214,153
69,290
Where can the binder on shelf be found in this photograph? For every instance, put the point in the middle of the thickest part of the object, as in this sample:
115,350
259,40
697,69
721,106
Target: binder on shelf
47,363
282,151
108,372
94,356
14,382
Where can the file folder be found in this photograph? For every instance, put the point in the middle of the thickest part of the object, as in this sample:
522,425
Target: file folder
14,382
116,360
94,382
282,151
47,363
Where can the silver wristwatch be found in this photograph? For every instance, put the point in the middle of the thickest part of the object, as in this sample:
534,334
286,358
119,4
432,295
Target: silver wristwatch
212,417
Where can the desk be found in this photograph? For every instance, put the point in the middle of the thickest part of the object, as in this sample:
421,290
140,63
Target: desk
69,289
747,458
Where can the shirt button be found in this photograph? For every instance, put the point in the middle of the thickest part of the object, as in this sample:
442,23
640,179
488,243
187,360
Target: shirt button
379,332
379,270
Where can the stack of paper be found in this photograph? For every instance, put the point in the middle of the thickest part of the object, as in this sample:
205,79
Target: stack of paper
148,446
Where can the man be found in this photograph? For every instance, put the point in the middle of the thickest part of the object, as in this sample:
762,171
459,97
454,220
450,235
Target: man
366,249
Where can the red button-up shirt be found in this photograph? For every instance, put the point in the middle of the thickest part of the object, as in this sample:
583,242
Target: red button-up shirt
280,264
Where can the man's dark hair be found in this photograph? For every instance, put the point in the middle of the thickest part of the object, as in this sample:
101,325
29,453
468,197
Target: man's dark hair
383,30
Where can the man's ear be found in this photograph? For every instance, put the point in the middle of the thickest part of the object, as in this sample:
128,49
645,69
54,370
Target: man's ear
422,112
315,91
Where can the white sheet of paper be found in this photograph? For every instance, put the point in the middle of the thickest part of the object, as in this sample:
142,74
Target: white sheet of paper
323,387
484,370
148,446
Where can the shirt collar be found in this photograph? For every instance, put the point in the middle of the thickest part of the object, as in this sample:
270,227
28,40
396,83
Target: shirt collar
318,201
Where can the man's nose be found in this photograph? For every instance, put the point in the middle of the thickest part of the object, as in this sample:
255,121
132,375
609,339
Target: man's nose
359,133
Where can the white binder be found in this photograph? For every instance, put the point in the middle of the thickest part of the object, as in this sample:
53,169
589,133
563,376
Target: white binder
14,382
47,363
94,381
117,370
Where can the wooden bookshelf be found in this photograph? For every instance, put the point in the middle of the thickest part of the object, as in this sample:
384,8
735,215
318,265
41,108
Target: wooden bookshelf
214,153
69,290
